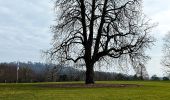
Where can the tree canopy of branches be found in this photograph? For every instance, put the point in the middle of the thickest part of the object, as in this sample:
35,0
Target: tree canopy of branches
166,50
90,31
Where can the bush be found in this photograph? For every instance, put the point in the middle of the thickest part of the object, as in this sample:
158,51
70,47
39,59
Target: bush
155,78
165,78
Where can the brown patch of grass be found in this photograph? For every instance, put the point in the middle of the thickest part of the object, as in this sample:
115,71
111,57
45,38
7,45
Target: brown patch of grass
81,85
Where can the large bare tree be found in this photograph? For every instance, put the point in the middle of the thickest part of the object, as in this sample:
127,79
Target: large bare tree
96,30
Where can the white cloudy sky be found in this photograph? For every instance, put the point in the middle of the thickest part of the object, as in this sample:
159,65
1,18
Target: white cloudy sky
24,29
159,12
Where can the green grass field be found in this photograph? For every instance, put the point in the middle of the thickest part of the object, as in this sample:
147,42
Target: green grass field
33,91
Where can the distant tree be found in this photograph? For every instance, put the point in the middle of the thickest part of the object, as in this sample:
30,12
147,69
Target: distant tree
165,78
166,51
63,78
120,77
51,73
90,31
26,74
135,77
141,72
155,78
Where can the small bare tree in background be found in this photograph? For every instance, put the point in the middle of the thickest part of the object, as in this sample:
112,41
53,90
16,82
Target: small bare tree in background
166,57
89,31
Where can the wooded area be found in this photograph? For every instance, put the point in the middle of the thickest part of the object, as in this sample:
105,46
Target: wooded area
38,72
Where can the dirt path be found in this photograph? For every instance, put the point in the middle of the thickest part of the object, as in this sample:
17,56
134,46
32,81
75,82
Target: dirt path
88,86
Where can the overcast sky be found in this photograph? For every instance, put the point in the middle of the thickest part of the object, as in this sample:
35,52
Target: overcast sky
24,29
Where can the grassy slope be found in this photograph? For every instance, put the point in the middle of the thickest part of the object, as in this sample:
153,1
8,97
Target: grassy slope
149,91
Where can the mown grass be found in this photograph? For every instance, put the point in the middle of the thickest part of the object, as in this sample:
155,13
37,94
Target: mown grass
150,90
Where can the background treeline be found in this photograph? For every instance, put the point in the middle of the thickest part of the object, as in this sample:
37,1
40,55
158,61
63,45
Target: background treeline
39,72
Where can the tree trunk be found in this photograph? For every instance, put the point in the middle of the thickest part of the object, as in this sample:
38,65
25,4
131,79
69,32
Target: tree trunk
89,74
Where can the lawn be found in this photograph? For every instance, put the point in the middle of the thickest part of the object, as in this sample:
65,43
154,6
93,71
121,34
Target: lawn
149,90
